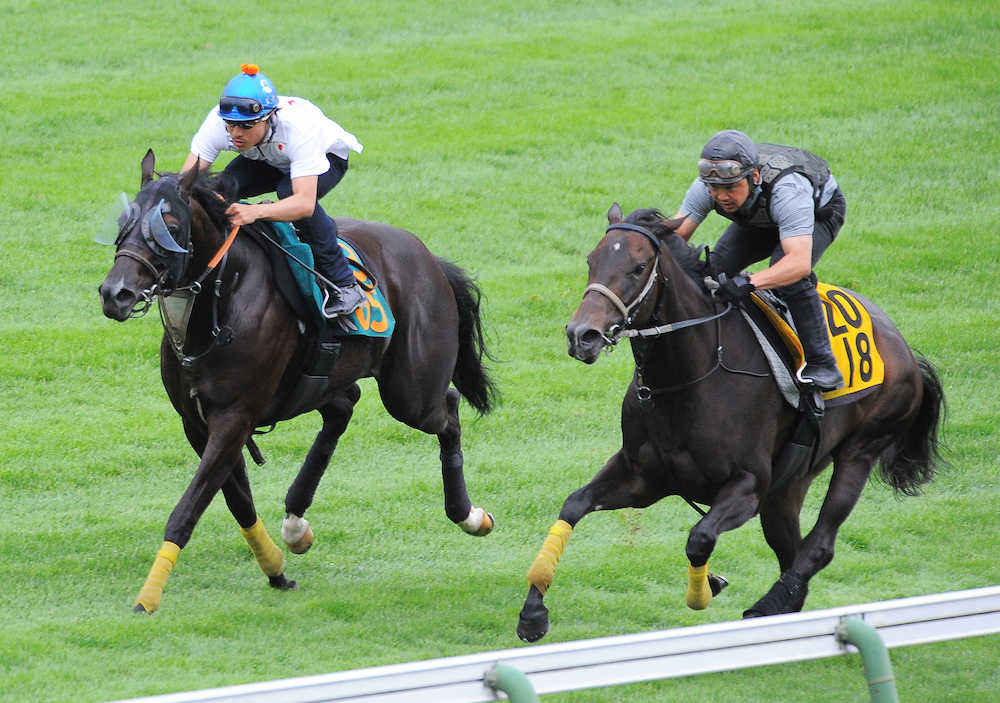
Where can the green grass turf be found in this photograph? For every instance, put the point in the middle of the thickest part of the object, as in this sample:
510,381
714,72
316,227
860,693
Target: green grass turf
499,133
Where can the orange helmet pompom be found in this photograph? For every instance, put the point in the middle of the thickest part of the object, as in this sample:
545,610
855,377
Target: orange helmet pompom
251,69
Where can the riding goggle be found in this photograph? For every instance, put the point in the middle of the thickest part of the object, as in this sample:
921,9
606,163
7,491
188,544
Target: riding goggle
722,170
250,107
243,124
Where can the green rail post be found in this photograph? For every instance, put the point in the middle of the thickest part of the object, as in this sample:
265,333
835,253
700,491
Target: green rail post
512,681
874,656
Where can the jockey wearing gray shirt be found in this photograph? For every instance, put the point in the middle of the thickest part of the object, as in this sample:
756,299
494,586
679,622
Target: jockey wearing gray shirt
784,204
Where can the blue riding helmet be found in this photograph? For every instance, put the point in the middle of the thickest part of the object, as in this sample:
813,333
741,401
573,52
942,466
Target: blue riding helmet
728,157
248,96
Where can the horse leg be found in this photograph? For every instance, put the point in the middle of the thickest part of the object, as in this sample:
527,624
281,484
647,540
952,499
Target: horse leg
734,504
779,519
239,500
457,505
295,529
619,484
788,594
221,451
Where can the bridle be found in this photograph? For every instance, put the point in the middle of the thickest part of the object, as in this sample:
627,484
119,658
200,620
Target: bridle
173,248
616,332
175,301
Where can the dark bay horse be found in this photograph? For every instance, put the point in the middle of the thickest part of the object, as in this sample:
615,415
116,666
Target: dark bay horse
244,350
704,419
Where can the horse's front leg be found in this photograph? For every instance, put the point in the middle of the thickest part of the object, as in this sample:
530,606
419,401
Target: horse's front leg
295,529
220,455
457,505
619,484
239,500
735,503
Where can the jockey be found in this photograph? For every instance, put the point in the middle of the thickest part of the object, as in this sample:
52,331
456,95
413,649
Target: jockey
783,203
287,146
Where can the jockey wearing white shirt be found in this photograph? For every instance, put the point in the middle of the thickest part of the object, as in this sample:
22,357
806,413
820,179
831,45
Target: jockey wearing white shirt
287,146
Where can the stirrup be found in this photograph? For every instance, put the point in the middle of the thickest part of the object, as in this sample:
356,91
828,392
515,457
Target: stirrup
349,299
830,384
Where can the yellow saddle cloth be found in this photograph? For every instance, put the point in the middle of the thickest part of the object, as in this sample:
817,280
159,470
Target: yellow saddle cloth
851,338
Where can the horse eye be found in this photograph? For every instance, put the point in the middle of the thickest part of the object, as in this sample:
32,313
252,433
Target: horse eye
639,268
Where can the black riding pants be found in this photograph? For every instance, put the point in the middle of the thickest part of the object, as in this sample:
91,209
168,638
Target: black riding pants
739,246
319,230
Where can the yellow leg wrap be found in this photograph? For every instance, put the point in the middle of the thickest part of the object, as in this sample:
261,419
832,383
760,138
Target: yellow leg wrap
699,593
542,572
152,591
270,559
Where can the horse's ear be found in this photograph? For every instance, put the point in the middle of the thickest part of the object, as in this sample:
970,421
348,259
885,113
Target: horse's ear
148,161
188,178
615,214
672,225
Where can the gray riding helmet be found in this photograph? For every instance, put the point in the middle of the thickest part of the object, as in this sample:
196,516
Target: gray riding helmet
727,145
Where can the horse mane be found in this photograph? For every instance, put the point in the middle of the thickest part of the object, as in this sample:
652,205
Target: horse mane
687,256
214,192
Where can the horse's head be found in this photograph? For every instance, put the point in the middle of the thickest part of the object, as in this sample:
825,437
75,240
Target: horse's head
621,287
154,243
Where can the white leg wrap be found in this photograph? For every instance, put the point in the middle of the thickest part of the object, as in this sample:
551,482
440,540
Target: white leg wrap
293,528
472,523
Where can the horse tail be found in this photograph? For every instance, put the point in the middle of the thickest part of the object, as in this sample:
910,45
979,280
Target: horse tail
470,377
912,460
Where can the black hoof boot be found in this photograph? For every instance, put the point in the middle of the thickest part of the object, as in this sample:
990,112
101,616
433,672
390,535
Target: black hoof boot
787,595
281,583
716,583
533,624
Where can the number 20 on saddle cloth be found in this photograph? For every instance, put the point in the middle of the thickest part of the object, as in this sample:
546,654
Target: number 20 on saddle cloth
851,339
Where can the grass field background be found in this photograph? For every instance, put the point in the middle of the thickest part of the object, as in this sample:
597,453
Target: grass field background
500,133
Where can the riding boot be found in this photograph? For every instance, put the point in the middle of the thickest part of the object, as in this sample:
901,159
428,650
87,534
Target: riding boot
820,367
342,299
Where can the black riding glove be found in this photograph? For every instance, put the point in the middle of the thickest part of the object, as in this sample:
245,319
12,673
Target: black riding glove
735,289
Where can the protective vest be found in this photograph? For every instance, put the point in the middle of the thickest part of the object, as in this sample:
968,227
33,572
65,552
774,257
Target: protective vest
776,162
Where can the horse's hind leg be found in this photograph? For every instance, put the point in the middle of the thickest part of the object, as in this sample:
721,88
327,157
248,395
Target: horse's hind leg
788,594
779,519
619,484
295,529
457,505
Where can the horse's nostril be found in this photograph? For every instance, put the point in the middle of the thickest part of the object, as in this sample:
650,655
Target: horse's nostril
590,337
124,295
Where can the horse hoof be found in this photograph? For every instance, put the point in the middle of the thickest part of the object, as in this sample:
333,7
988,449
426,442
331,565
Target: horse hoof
297,533
533,626
489,522
479,523
140,609
302,545
281,583
532,632
717,583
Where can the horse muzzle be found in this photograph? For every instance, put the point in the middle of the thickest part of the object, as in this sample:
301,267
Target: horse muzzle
585,341
118,299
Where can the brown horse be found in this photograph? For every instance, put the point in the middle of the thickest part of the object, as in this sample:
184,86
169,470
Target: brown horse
238,366
704,419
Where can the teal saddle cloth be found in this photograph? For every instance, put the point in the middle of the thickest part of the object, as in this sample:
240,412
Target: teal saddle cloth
372,319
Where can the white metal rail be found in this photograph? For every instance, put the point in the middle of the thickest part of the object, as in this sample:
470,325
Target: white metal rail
570,666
